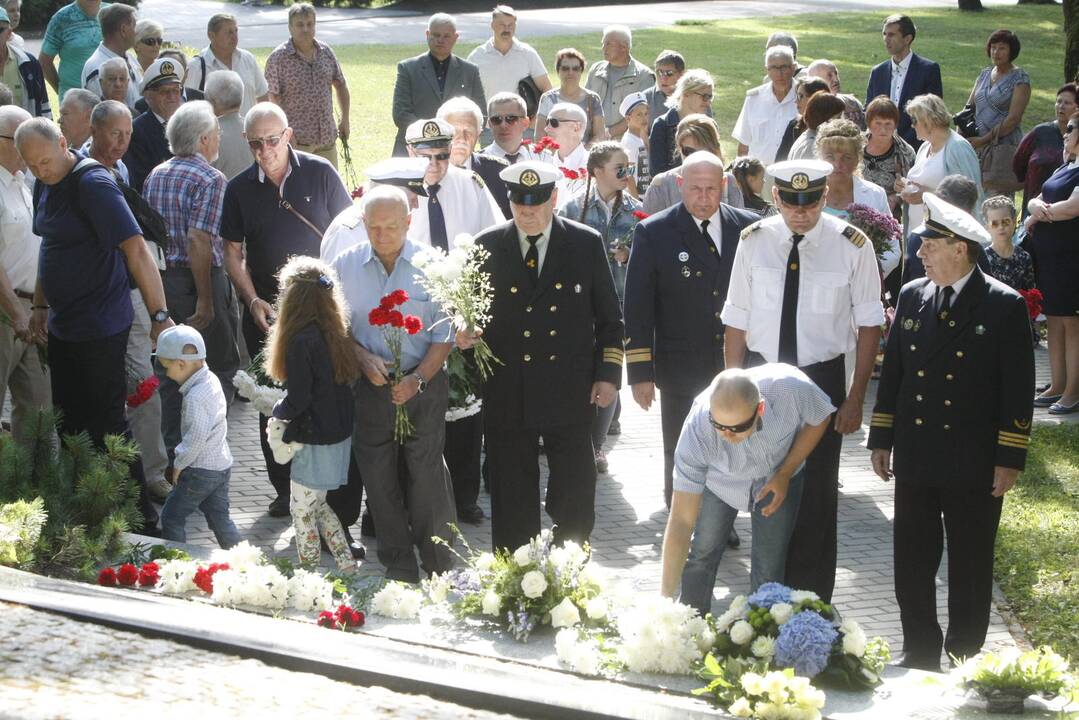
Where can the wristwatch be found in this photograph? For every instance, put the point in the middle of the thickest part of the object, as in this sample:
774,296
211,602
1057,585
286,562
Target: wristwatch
160,316
422,383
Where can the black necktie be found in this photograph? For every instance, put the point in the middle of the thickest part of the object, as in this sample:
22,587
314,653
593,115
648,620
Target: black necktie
945,302
707,237
512,158
532,258
788,321
436,219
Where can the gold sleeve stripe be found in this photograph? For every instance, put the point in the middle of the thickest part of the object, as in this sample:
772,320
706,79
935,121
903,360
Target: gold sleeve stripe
639,350
1018,446
1014,436
639,358
883,415
880,423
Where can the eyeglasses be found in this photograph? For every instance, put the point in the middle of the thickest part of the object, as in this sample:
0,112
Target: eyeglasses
270,141
666,73
8,137
555,122
1001,223
152,41
687,150
739,428
778,68
508,119
706,97
440,157
571,68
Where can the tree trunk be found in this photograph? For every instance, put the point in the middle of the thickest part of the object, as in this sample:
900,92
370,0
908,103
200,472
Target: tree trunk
975,5
1071,39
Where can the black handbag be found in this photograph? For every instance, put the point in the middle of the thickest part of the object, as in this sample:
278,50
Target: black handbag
964,122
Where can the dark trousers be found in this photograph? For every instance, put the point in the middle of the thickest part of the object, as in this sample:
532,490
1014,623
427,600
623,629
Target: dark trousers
464,441
922,517
513,457
346,500
89,387
673,408
811,556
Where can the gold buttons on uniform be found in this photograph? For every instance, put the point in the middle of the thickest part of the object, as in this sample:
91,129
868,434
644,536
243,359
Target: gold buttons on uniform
918,398
558,286
553,333
554,308
528,333
947,427
715,293
699,273
717,316
921,373
528,309
951,323
513,289
913,348
528,358
917,421
949,376
553,357
959,353
947,403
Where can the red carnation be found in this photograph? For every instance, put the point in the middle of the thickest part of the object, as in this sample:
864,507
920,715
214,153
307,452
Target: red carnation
400,297
386,303
204,576
1034,299
640,214
378,316
358,192
346,617
149,574
396,319
127,575
143,392
571,174
326,619
107,577
413,324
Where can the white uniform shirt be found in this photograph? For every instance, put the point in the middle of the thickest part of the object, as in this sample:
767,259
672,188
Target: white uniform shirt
94,63
19,245
244,64
347,230
763,120
501,73
467,206
838,289
523,153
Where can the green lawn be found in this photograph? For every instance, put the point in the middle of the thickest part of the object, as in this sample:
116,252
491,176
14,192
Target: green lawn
1038,544
732,51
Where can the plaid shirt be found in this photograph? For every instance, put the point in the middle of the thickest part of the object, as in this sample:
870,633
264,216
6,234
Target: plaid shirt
203,424
190,194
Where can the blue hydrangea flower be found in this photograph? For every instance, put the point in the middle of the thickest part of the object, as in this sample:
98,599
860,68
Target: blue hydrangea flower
769,594
805,643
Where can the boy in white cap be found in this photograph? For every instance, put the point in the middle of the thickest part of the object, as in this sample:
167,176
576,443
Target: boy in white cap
634,109
203,461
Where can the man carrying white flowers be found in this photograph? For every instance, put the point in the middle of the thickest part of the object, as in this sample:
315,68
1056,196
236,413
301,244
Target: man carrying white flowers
742,448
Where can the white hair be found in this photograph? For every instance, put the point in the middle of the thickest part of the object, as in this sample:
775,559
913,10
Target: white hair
735,385
11,116
618,32
779,51
573,110
503,98
113,64
85,99
461,105
190,123
441,19
385,194
262,110
225,89
38,127
148,28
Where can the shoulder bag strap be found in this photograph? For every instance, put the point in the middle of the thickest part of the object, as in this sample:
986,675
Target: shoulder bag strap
288,206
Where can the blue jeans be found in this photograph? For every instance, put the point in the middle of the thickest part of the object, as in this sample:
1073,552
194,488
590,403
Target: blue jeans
205,490
769,554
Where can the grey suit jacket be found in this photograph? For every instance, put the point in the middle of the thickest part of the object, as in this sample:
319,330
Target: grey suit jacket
416,95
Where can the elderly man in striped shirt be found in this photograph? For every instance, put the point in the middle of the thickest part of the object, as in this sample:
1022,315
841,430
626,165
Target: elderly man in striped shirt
742,448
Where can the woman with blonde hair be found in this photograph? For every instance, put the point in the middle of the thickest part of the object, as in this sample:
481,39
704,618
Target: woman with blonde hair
693,94
149,39
695,132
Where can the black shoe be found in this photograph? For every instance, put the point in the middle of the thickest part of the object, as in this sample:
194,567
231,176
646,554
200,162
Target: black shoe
615,428
917,662
733,541
359,552
471,514
1045,401
367,525
279,507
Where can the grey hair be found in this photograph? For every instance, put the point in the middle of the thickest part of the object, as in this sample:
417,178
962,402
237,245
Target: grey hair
778,51
300,9
38,127
441,19
190,123
11,116
959,190
113,63
821,63
779,37
386,194
6,97
692,80
618,32
114,17
225,89
85,99
147,28
107,110
262,110
461,106
929,108
735,385
219,19
507,97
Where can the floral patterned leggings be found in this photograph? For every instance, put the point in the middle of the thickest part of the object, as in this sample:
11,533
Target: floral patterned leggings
311,515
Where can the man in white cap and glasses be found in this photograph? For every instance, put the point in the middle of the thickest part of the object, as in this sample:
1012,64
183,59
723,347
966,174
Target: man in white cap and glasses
951,425
348,230
457,199
805,290
555,323
161,86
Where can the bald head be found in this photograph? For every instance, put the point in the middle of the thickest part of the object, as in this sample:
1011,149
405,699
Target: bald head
702,184
11,116
734,400
386,218
826,71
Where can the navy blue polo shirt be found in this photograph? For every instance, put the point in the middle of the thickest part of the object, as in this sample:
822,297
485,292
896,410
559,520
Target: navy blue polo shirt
253,214
81,266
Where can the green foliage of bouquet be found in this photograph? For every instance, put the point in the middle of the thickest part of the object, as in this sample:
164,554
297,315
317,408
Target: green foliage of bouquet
747,689
20,529
1041,671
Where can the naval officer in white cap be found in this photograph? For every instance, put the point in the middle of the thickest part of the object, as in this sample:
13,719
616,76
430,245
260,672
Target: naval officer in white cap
805,290
952,421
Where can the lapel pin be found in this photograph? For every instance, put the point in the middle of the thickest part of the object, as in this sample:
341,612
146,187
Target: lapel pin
908,324
979,330
685,271
577,289
683,256
917,325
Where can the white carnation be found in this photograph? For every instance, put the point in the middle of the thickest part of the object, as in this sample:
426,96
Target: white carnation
238,557
564,643
565,614
741,708
178,576
523,555
309,592
491,603
741,632
533,584
763,647
464,241
438,588
739,605
585,659
781,613
596,608
396,600
485,561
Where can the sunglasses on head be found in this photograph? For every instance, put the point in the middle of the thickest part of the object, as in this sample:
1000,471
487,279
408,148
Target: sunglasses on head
739,428
152,41
555,122
508,119
270,141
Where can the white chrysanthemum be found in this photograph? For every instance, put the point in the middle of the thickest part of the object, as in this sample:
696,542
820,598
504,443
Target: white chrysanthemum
739,605
533,584
409,605
753,683
485,561
565,614
226,586
464,241
239,556
385,600
437,587
763,647
523,555
585,659
741,632
781,613
596,608
177,576
798,596
564,643
724,621
491,603
741,708
309,592
658,635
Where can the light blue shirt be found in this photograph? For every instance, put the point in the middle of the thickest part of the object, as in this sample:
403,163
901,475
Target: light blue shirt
735,472
364,282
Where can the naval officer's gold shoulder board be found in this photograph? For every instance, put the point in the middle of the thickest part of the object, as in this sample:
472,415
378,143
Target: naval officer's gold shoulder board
856,236
750,229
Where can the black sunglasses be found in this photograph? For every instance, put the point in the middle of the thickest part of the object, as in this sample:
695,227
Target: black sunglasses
739,428
152,41
555,122
270,141
508,119
621,171
440,157
687,151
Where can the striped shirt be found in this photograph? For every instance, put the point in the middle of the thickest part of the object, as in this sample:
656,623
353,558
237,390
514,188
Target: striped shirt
203,424
736,472
190,194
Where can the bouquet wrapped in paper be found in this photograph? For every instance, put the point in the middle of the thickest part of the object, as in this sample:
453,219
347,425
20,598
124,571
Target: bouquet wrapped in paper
456,282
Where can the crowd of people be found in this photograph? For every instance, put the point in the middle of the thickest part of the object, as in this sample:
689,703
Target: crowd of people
195,204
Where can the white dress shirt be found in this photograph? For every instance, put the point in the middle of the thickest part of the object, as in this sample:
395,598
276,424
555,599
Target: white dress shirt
523,153
98,59
957,287
467,206
244,64
714,231
763,120
19,245
899,76
501,73
541,245
347,231
838,289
